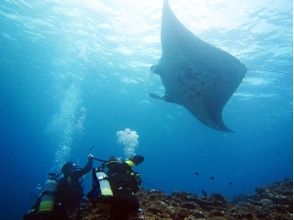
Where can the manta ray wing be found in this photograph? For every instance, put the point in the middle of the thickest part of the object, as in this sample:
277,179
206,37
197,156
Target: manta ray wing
195,74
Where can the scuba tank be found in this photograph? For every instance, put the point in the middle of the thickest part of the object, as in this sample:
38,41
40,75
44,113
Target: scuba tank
105,188
48,195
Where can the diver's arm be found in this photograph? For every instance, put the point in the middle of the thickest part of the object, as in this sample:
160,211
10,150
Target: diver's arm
87,168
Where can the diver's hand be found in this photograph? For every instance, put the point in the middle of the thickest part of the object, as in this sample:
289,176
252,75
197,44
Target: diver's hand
90,157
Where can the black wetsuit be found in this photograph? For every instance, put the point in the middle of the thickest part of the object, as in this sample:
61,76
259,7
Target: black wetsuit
68,195
69,191
124,184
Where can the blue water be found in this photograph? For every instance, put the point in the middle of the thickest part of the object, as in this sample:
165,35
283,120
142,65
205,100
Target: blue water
74,73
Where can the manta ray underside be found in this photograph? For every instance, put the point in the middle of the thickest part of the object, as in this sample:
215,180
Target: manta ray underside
195,74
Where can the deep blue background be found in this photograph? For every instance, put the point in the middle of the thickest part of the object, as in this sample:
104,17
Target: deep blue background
52,66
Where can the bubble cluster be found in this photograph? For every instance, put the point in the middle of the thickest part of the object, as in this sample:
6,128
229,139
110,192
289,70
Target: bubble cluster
67,125
129,140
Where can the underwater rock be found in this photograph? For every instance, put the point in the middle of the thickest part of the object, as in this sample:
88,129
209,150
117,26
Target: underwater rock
274,201
266,202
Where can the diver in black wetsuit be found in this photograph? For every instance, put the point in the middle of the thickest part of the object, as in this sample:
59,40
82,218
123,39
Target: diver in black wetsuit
69,192
124,183
65,195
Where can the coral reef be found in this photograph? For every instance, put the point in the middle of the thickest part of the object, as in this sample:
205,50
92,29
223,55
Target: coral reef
270,202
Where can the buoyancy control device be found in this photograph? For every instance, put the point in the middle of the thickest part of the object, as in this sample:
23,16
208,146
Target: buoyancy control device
48,195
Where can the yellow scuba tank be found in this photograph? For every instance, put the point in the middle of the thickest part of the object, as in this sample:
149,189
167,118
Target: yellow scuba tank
105,188
48,195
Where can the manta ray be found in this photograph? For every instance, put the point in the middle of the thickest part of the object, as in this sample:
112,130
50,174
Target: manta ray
195,74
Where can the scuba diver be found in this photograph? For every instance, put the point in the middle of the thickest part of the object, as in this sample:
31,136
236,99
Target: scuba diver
60,194
115,184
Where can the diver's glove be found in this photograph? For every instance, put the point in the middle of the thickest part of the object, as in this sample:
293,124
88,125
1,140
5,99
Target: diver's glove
90,157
